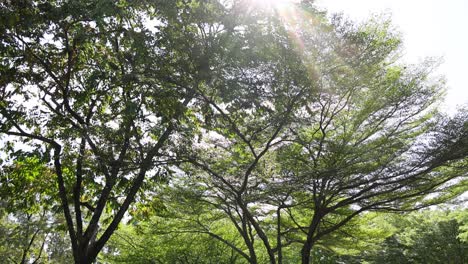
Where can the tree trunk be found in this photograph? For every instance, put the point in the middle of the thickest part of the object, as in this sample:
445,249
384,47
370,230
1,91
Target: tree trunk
84,254
278,237
85,257
82,258
305,253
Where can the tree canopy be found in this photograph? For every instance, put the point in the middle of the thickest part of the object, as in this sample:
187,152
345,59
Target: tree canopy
274,123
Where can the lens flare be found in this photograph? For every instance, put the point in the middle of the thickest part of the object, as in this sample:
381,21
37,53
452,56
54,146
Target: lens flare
287,11
296,20
275,4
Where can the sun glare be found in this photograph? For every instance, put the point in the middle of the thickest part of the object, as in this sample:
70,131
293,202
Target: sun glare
277,5
294,19
288,12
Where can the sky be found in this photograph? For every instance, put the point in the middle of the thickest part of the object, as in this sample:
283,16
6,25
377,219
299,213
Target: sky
429,28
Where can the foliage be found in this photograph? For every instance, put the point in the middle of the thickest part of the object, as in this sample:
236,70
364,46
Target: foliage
428,236
33,238
221,117
143,244
30,218
338,129
423,237
86,85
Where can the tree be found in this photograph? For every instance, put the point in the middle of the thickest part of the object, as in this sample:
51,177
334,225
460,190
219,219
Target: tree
23,219
429,236
30,219
340,128
23,239
99,97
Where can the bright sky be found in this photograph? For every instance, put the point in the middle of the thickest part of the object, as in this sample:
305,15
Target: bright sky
430,28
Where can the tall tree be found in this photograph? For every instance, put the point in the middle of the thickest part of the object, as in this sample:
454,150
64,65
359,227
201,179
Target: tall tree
327,124
100,89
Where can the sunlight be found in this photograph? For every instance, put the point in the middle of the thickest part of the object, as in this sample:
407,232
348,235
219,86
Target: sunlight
295,20
276,5
287,11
